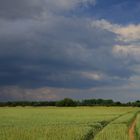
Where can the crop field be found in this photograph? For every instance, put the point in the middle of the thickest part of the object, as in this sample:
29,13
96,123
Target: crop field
70,123
137,128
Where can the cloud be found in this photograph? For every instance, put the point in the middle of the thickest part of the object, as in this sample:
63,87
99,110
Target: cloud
127,52
35,8
15,93
126,33
20,9
129,33
60,5
127,37
127,93
59,51
51,46
93,75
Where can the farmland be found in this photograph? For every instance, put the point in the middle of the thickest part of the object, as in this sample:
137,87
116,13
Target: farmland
71,123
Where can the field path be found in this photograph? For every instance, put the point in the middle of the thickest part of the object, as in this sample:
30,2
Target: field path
132,130
108,124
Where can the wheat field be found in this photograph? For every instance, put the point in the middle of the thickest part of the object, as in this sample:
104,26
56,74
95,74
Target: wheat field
74,123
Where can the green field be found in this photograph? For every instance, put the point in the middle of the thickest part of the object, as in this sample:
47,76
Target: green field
77,123
137,128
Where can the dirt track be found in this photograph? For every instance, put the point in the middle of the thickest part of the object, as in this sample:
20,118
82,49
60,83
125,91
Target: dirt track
132,130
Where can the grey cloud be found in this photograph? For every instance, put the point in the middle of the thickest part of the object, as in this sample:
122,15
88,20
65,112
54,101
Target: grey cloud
20,9
54,50
14,93
121,93
16,9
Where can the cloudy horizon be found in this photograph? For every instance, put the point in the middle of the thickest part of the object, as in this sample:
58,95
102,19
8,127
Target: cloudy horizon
52,49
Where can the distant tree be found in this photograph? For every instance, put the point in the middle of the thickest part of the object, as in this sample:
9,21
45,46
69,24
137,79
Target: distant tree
97,102
118,104
66,102
137,103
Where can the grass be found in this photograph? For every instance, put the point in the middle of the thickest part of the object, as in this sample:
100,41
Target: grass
118,129
45,133
114,132
77,123
137,128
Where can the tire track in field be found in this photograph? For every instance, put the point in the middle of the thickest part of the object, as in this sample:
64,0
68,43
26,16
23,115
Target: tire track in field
132,130
91,136
95,129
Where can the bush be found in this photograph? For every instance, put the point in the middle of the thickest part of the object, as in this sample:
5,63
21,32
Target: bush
66,102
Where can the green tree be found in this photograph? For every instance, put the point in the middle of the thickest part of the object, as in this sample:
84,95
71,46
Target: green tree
66,102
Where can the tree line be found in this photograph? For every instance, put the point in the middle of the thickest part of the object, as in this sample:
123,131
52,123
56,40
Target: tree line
67,102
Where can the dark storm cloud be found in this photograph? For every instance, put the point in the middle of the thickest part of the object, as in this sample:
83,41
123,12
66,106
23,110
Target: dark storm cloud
41,47
54,51
20,8
16,9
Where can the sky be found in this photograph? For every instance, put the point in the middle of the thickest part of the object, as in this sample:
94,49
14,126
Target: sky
52,49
